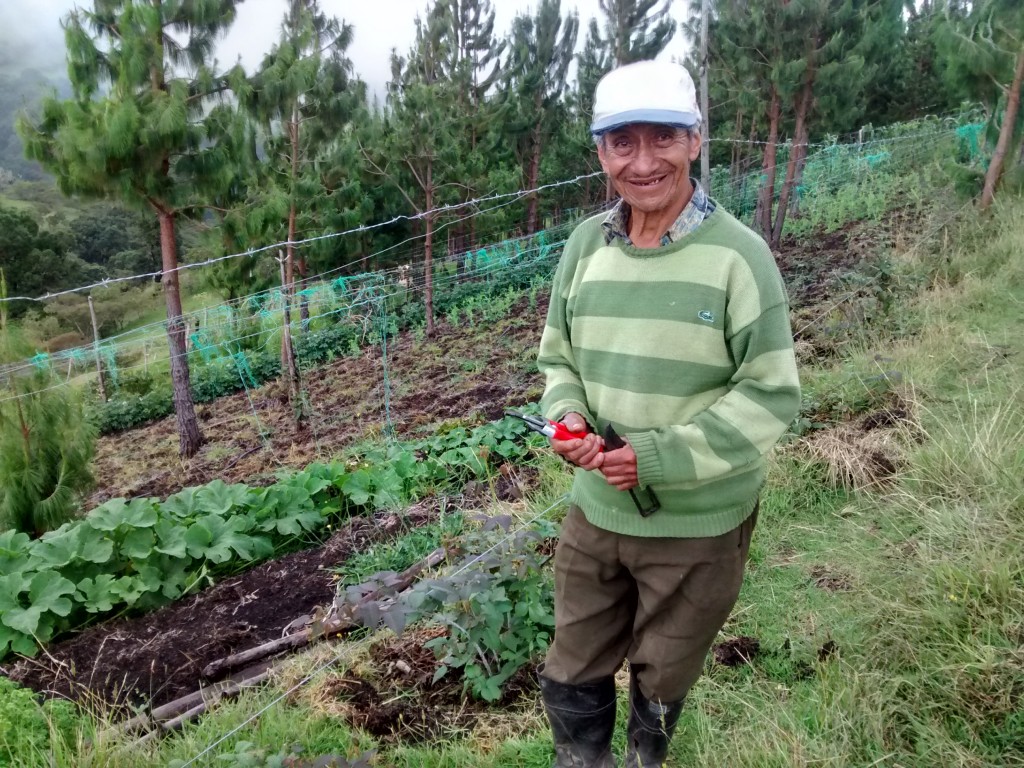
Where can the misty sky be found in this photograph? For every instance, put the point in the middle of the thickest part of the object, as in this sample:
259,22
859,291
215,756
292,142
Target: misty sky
31,36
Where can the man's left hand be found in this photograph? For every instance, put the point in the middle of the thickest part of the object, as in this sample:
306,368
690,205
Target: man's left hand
619,468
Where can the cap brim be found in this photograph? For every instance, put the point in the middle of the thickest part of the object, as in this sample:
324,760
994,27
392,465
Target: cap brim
658,116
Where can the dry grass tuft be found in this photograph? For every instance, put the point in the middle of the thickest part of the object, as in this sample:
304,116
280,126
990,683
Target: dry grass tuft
856,459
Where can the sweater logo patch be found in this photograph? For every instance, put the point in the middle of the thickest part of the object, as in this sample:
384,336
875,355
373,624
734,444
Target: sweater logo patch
706,315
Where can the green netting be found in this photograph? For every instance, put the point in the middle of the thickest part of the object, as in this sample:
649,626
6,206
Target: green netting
969,137
244,369
109,352
206,347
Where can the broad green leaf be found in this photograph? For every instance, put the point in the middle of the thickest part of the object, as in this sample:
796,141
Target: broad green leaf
294,524
14,549
138,544
356,486
16,642
96,594
12,586
58,548
219,498
310,482
404,465
150,579
214,539
48,591
182,504
176,578
94,546
136,513
126,589
46,594
170,538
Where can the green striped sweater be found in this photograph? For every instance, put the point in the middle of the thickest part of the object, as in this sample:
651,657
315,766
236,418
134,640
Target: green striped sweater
686,349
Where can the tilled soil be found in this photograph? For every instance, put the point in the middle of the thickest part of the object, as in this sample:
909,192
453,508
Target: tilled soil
437,710
469,375
159,656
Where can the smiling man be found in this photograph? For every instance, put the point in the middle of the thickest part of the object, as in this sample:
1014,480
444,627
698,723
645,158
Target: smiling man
668,333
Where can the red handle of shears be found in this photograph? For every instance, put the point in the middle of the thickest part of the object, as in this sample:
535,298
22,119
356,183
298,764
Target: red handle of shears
558,431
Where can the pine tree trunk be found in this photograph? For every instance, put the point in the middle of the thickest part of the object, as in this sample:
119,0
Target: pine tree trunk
428,251
288,365
189,437
801,164
995,168
763,213
734,160
531,181
800,139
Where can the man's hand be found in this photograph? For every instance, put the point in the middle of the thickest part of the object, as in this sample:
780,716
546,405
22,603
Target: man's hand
584,452
619,468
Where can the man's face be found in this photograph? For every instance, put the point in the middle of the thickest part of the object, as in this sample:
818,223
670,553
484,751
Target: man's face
649,165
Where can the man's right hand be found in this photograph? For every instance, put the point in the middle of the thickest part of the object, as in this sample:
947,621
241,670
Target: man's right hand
584,452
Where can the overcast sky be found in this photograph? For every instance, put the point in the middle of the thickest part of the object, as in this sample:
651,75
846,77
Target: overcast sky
30,33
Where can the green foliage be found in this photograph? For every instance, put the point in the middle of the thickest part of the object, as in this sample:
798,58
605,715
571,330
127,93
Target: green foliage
27,728
109,231
37,259
401,553
496,608
342,333
46,445
142,553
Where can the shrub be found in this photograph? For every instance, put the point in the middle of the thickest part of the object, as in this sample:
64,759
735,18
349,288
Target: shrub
46,444
26,727
496,608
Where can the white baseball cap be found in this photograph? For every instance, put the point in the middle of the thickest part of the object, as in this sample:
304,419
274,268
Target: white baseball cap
645,92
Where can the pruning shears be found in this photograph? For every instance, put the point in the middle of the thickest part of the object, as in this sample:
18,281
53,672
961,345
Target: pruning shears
612,441
546,427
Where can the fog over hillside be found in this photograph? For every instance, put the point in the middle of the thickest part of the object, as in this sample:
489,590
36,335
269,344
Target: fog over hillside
31,62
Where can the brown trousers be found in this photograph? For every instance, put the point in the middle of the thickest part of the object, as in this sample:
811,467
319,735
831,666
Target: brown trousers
658,602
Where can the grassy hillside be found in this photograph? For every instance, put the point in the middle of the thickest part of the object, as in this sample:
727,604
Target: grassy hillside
883,615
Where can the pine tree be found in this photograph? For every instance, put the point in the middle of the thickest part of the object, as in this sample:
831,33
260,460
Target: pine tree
420,141
46,445
636,30
471,62
303,96
808,67
592,63
145,101
985,48
541,51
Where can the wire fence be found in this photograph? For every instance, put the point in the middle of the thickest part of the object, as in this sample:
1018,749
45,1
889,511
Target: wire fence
840,182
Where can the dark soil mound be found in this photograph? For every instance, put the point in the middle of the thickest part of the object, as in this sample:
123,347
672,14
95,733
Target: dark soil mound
159,656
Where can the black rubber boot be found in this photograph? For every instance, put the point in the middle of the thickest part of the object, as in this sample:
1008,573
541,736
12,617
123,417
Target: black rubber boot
650,729
582,720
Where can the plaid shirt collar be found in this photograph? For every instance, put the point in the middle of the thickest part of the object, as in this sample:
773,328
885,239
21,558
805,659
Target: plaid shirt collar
700,206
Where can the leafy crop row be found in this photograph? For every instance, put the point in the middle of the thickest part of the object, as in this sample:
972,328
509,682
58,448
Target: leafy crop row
139,554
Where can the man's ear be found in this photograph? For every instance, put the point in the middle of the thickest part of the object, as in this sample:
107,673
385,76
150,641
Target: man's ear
602,155
695,142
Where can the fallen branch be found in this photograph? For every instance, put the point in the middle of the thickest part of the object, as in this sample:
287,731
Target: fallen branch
343,621
241,456
172,714
175,723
